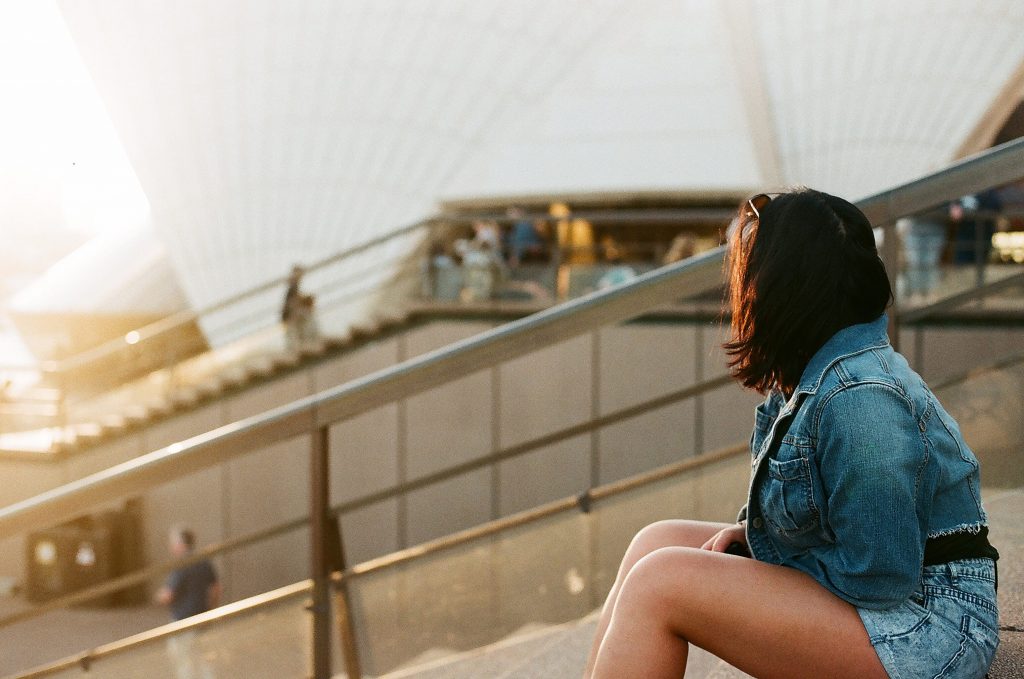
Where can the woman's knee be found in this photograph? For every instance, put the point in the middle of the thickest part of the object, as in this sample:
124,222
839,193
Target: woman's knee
652,533
661,571
648,539
669,533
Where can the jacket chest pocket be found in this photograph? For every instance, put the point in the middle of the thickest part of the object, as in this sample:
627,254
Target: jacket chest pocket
787,498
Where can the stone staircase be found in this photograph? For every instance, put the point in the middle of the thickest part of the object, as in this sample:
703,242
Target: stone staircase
112,415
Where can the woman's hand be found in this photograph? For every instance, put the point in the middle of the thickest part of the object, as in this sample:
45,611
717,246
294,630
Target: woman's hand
721,540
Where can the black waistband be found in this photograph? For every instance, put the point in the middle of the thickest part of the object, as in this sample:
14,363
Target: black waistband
957,546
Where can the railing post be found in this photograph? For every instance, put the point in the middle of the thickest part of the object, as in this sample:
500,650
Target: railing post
891,259
346,630
320,566
62,413
981,227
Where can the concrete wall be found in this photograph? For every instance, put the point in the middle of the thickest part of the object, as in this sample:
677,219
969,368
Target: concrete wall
503,406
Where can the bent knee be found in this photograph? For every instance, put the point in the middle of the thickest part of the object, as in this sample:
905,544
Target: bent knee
656,534
661,569
670,579
671,533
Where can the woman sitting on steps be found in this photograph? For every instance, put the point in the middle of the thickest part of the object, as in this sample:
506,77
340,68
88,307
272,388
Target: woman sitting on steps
864,521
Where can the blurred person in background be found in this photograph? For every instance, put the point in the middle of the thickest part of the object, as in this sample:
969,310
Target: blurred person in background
189,590
974,219
525,244
924,239
575,238
683,246
298,313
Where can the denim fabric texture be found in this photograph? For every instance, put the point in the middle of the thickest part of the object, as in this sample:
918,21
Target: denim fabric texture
947,629
870,466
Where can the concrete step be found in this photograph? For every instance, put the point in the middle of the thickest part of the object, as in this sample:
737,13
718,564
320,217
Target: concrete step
137,415
550,653
211,387
114,423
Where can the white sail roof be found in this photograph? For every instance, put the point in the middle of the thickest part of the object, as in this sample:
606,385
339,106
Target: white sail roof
119,272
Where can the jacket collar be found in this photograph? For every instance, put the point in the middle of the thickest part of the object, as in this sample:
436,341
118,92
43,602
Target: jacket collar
851,340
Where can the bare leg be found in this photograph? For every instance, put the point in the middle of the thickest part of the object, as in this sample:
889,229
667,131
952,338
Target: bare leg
769,621
673,533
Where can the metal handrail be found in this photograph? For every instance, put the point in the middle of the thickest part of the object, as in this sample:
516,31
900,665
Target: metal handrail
405,556
159,569
581,502
993,167
531,445
584,500
960,298
361,395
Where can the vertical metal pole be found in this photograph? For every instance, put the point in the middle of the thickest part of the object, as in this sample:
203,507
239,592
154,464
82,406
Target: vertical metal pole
980,229
343,602
320,568
595,408
346,630
891,258
57,444
590,520
698,400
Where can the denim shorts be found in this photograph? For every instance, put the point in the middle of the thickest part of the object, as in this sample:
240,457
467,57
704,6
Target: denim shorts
948,629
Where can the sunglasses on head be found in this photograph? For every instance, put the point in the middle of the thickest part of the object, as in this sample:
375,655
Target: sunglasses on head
756,204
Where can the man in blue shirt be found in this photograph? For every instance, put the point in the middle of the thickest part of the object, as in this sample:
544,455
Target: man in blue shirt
191,589
188,591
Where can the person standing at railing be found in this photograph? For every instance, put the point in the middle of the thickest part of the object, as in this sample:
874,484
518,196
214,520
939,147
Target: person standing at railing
482,265
683,247
617,271
575,238
290,307
862,551
525,244
189,590
298,313
975,219
924,238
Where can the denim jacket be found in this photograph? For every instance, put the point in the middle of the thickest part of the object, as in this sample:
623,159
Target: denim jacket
856,470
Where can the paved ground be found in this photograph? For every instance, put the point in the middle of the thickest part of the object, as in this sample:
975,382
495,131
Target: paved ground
63,633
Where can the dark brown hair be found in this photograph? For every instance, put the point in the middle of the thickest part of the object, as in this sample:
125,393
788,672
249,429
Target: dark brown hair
799,273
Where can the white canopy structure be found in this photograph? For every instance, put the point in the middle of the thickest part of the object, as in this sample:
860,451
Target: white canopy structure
119,272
